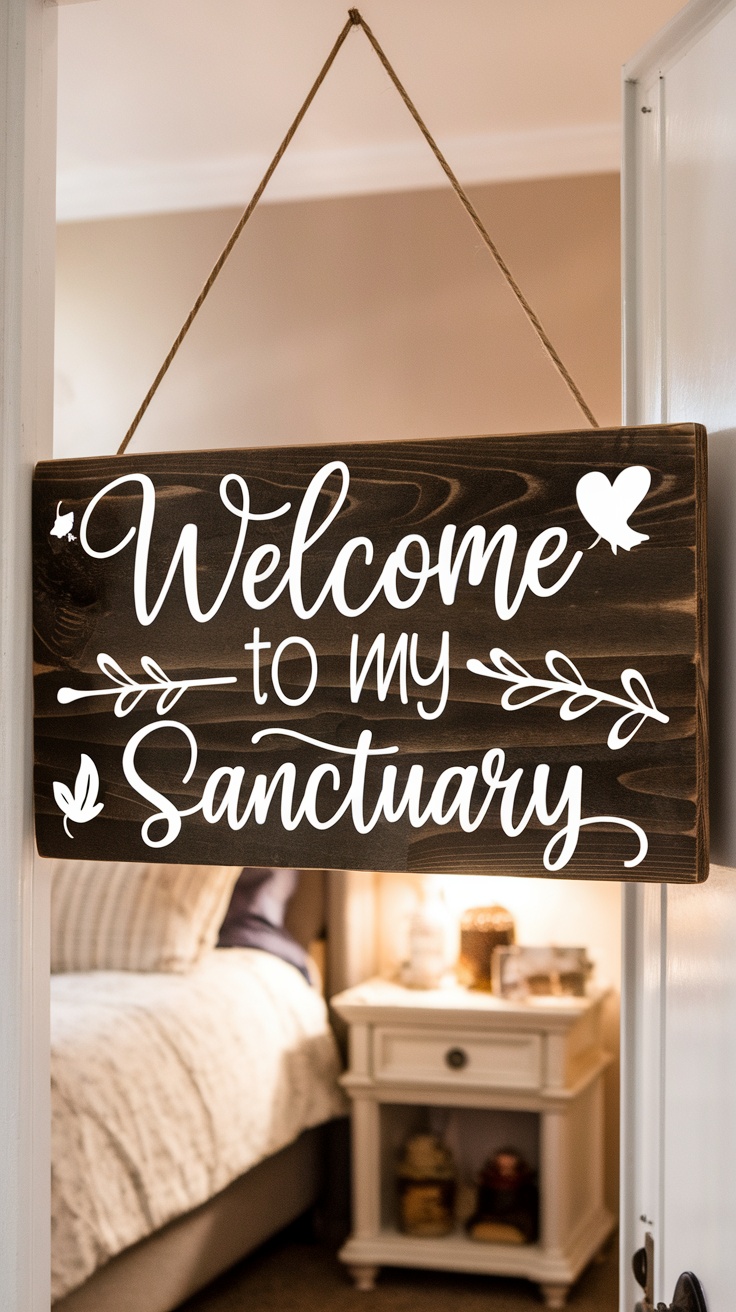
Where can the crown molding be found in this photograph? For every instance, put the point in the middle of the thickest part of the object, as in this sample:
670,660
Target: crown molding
97,192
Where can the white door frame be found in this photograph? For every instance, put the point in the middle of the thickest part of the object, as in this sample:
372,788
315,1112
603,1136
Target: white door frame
27,194
644,920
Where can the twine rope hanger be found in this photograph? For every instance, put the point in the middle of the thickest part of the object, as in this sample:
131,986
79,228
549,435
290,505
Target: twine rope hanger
355,19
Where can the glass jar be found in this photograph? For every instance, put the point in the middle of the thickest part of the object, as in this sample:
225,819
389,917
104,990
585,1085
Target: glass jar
482,929
427,959
507,1210
426,1184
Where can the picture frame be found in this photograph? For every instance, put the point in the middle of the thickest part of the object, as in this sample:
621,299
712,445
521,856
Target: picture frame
519,973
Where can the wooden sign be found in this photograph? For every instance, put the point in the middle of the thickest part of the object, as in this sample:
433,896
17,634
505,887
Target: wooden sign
481,655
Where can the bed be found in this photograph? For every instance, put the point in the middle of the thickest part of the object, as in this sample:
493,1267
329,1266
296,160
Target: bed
189,1115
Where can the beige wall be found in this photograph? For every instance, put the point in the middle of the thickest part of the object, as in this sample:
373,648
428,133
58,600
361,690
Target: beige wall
370,317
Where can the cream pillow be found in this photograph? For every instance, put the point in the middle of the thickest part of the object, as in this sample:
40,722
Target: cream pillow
121,916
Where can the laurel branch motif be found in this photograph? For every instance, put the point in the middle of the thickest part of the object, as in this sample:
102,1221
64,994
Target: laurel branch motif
130,692
525,689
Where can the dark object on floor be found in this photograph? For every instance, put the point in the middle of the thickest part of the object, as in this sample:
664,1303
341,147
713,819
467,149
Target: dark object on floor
332,1215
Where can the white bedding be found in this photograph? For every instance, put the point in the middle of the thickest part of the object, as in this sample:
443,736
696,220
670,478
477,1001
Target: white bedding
165,1088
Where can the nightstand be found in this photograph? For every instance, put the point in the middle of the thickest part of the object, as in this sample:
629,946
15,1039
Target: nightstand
531,1075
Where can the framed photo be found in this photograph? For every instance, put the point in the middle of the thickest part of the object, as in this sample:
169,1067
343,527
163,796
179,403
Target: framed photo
519,973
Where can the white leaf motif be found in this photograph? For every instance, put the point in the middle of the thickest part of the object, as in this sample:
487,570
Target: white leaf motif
153,669
114,671
82,805
524,689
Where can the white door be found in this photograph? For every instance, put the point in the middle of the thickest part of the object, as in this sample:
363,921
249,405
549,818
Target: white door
679,1027
27,174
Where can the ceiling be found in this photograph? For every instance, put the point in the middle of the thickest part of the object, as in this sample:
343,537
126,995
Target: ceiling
169,105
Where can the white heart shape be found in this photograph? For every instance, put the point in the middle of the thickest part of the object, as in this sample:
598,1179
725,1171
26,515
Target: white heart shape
608,506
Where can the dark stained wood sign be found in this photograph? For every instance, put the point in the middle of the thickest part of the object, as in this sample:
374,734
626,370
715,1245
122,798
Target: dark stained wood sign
481,655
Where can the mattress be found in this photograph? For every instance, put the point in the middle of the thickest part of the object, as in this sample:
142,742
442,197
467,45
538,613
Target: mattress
165,1088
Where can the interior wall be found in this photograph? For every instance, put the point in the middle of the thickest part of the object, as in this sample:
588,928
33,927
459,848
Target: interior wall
378,317
352,319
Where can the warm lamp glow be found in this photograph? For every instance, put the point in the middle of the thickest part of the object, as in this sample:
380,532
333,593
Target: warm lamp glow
545,911
558,912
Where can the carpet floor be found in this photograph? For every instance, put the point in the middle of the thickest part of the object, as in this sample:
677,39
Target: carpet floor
293,1274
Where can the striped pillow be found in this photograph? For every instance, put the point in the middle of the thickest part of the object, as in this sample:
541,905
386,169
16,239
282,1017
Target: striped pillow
121,916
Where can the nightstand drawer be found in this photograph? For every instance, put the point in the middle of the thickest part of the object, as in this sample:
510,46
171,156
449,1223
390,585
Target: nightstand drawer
498,1061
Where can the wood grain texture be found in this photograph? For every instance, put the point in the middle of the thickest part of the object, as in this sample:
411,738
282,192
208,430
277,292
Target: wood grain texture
644,609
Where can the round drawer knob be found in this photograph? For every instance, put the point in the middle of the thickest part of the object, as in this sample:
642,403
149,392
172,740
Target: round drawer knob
456,1058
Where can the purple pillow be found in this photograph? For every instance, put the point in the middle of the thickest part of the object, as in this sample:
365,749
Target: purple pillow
255,917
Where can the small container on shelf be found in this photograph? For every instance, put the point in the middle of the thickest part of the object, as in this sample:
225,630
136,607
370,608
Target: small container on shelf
427,960
482,930
426,1181
507,1209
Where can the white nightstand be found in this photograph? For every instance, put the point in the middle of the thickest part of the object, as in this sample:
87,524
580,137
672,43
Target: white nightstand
532,1073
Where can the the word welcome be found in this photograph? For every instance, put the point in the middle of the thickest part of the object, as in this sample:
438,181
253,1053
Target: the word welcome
402,580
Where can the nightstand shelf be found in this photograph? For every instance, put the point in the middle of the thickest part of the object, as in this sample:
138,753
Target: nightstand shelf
532,1074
